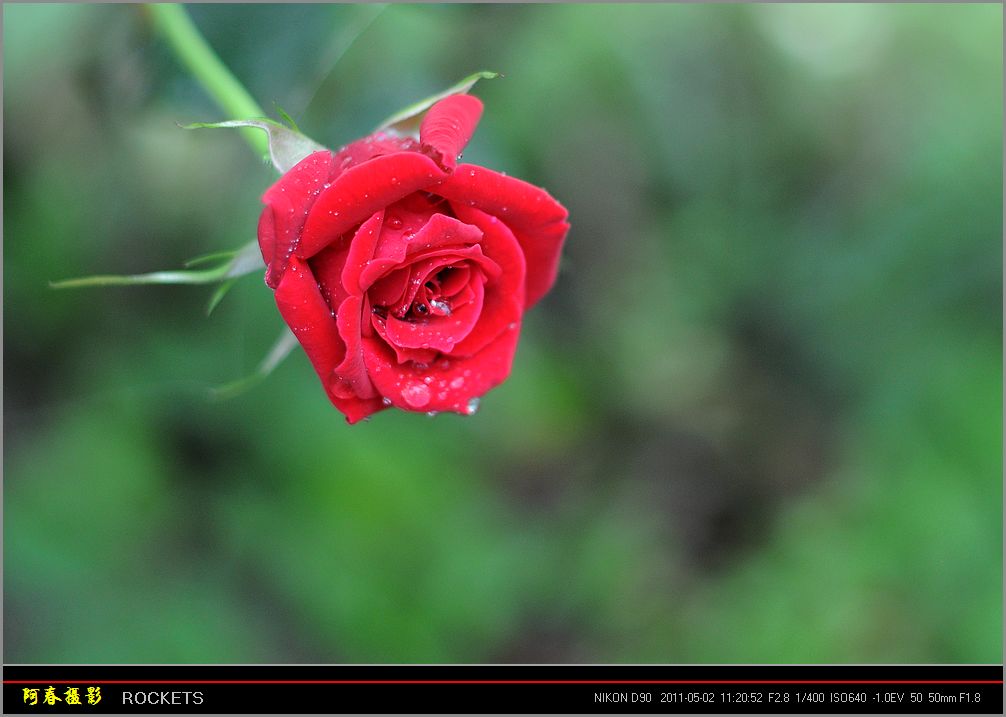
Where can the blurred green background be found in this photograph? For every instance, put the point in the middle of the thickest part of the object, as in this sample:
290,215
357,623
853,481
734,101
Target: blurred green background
759,419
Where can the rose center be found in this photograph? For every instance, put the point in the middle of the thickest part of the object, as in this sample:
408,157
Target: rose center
429,299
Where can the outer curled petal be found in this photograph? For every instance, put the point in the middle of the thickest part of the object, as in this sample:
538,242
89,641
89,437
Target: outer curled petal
309,317
361,191
537,220
447,127
288,203
307,314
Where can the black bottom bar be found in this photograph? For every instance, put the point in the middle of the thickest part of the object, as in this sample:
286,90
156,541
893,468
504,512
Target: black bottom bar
80,689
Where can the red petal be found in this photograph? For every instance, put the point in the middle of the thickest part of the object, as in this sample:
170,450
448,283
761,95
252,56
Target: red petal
452,383
503,305
424,233
402,353
455,280
375,145
536,219
327,269
377,269
361,250
288,202
390,291
351,378
447,127
440,333
443,231
361,191
356,409
267,235
307,314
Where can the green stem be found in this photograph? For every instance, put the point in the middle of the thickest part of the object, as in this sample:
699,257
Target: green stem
191,48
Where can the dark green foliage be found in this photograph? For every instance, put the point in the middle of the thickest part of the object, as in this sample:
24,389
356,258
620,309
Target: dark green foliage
758,419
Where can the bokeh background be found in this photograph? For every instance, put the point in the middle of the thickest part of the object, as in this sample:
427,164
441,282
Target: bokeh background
759,419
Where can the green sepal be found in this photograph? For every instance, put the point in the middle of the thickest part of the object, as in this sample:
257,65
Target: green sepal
218,294
286,117
279,351
208,258
287,146
242,261
407,121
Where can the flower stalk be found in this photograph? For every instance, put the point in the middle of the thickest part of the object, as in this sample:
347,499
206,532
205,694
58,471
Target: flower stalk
190,47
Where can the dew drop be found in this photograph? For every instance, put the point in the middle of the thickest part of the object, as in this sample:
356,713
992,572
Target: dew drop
431,414
458,382
395,223
440,307
416,395
386,401
472,406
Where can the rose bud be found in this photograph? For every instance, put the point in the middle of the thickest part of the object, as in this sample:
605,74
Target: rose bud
403,274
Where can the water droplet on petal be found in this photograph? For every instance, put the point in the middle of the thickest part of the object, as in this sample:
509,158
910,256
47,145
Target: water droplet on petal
416,395
458,382
472,406
431,414
386,401
440,307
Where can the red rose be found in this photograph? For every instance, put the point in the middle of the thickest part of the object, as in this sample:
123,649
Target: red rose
403,274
